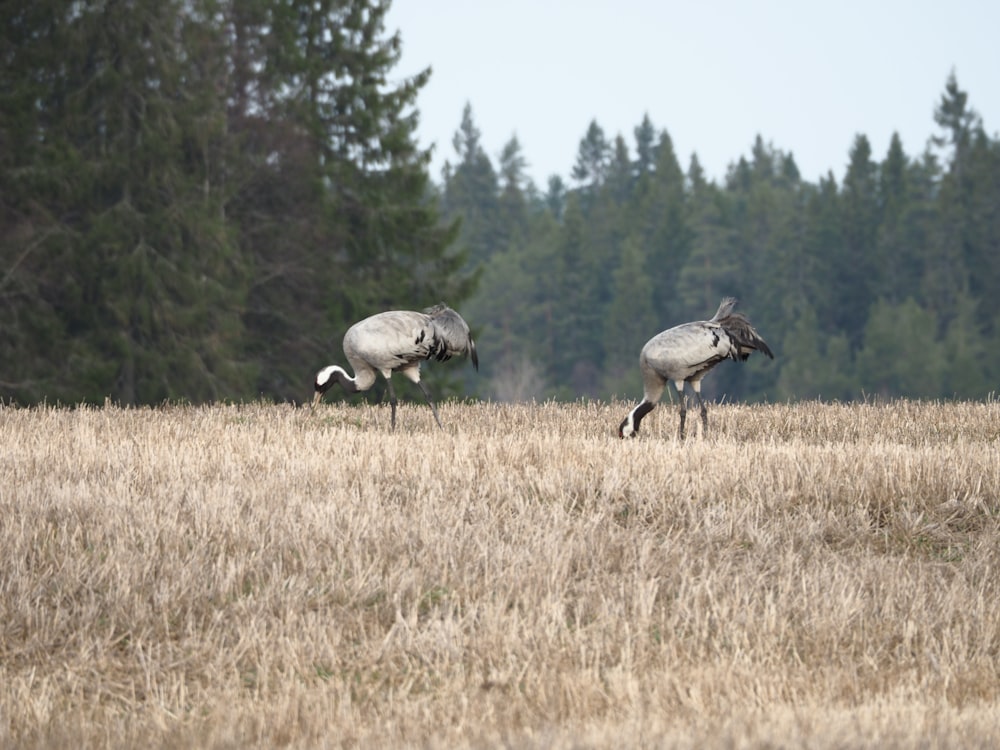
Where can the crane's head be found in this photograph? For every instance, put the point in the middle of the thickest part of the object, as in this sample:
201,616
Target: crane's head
324,379
630,425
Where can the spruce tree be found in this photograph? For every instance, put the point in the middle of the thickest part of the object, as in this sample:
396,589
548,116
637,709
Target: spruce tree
855,263
471,194
512,209
592,157
629,323
662,219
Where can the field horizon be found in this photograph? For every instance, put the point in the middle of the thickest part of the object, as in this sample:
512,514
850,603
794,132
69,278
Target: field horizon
808,574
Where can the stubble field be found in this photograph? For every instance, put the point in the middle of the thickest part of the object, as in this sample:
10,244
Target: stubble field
817,575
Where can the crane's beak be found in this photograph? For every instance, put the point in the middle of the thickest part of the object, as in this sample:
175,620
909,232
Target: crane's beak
317,396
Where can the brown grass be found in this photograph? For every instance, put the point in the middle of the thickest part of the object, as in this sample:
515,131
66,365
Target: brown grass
230,576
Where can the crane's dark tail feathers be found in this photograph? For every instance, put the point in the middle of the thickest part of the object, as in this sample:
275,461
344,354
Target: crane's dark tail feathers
740,329
745,335
454,331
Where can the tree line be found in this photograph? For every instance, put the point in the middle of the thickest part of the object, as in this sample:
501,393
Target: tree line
877,284
197,197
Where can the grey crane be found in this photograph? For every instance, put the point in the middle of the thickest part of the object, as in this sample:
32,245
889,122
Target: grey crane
398,341
685,354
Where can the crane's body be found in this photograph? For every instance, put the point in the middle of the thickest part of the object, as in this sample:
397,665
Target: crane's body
685,354
398,341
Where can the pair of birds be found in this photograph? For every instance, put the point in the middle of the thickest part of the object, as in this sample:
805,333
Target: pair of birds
399,340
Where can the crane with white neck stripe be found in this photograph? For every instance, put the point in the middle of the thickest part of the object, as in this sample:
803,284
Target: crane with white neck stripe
398,341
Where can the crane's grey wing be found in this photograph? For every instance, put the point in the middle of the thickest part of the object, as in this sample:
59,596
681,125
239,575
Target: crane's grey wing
390,340
451,335
687,350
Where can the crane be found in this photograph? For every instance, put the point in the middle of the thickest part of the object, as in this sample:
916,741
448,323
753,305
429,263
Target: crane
398,341
685,354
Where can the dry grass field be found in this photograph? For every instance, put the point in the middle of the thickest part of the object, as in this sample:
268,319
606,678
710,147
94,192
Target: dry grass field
808,575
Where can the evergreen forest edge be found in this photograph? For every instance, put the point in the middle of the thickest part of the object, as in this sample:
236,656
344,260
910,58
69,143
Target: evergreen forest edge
197,198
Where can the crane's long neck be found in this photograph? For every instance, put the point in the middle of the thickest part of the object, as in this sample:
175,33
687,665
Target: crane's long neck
630,426
326,377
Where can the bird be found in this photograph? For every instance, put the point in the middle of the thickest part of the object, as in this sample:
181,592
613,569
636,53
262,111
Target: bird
398,341
685,354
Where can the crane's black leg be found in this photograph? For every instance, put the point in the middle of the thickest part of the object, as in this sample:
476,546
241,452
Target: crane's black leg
704,413
392,401
683,412
431,402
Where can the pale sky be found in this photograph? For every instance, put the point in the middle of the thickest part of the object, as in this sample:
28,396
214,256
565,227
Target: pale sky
806,76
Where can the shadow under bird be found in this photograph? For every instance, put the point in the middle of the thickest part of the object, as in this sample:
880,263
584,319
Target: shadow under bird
685,354
398,341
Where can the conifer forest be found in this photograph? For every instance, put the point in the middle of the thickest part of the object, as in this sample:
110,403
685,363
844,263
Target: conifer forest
198,197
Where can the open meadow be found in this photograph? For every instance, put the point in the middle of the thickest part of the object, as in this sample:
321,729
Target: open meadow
805,575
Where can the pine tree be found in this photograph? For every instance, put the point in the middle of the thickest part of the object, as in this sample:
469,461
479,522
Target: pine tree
630,321
512,208
958,121
664,230
855,263
771,264
645,146
619,180
969,227
711,270
575,305
981,230
592,157
899,261
471,193
555,197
